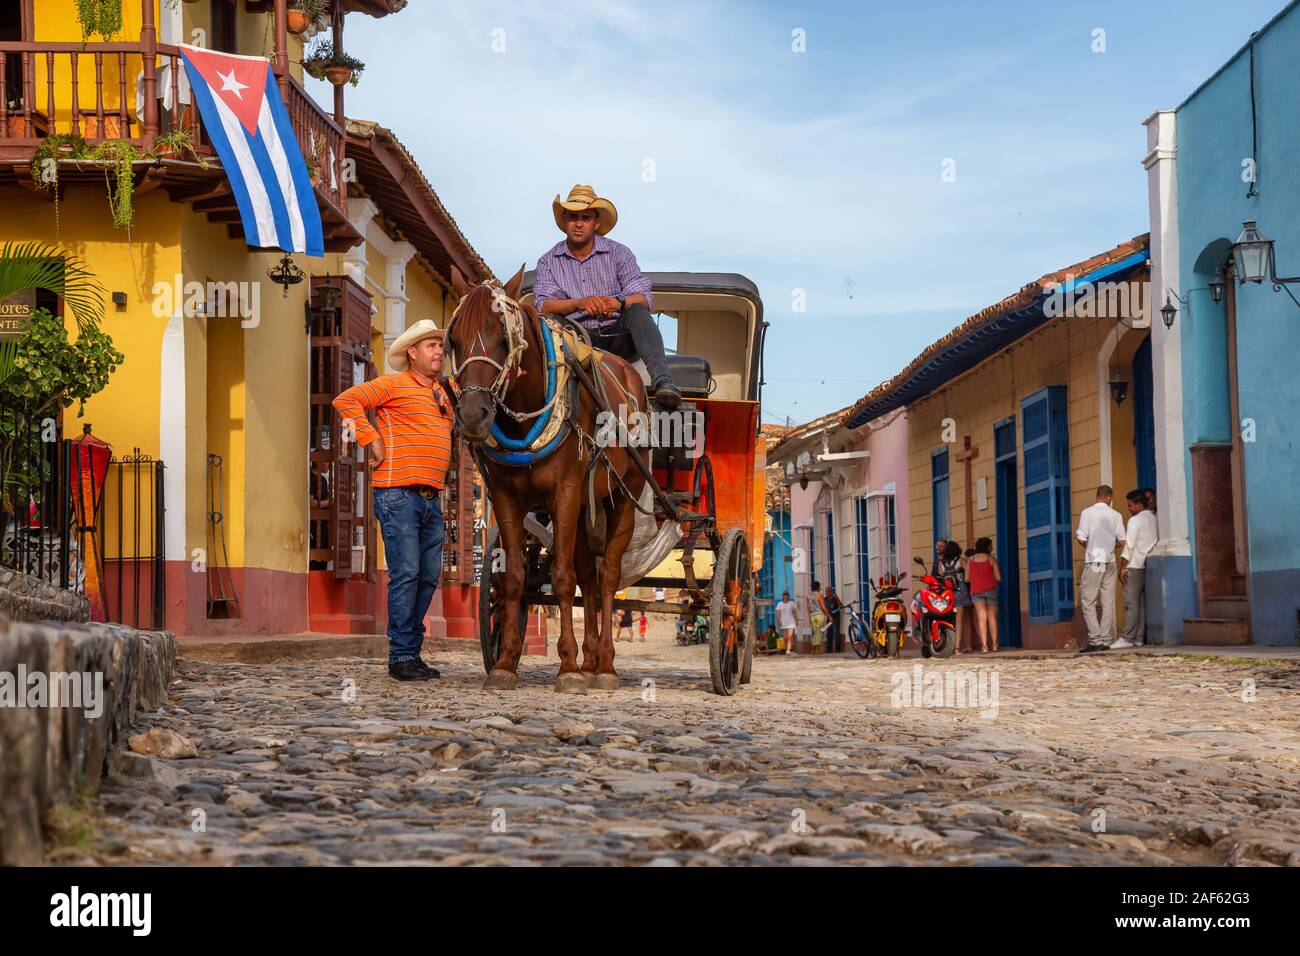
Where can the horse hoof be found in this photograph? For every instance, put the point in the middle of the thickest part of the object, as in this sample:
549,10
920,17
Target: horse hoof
501,680
604,682
571,683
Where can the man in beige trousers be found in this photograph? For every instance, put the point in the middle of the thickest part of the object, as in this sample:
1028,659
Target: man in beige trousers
1101,533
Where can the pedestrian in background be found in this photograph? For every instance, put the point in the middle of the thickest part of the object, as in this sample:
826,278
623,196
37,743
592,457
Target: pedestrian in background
953,565
818,615
624,624
785,620
1101,533
985,576
833,607
1140,537
641,626
939,546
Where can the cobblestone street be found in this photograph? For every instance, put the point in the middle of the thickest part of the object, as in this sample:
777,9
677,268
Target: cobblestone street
1108,759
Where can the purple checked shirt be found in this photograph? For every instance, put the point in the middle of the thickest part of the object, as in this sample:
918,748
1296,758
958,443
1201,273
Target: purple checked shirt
611,270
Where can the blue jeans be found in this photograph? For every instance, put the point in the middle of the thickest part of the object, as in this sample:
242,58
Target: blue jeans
412,529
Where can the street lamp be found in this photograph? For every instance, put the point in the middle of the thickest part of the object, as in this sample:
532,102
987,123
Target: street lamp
1252,253
1119,386
1254,259
1169,311
1216,287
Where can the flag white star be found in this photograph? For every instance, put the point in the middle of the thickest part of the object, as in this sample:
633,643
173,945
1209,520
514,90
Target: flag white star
231,85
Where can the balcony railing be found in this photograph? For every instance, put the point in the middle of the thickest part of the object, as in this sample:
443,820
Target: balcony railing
134,92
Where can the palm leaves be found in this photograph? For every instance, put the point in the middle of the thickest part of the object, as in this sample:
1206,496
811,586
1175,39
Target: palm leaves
41,265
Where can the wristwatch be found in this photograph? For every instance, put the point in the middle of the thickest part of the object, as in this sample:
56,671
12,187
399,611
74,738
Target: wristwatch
622,303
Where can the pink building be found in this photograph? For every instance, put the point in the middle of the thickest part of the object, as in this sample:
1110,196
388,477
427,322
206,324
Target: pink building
848,504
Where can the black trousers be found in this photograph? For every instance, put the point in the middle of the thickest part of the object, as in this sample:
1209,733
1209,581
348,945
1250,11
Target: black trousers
637,336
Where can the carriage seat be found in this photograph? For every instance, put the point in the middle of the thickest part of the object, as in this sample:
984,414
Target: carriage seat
691,374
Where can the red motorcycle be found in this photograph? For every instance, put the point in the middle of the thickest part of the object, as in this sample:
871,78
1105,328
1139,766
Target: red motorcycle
934,608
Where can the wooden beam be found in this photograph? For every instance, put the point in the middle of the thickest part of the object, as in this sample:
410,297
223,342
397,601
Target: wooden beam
393,167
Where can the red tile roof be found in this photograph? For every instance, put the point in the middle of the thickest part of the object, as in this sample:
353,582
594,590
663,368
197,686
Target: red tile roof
1026,296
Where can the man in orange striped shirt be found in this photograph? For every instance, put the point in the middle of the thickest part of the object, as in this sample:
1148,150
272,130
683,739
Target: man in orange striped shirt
411,449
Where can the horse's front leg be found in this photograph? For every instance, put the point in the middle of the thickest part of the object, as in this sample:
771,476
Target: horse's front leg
565,517
504,674
621,523
588,580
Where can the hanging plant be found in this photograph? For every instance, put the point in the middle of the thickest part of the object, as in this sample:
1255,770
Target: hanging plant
119,178
45,164
303,13
99,16
338,67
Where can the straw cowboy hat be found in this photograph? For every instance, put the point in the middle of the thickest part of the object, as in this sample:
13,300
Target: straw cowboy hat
424,329
584,197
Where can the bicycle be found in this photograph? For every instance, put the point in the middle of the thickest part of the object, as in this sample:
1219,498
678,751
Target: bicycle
859,633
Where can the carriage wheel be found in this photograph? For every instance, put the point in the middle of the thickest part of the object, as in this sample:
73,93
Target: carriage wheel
702,486
747,665
731,619
491,605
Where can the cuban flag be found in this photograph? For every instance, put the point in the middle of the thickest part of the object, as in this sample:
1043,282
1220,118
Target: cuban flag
249,127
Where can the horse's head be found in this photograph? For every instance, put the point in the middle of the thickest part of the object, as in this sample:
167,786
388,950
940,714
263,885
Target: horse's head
485,343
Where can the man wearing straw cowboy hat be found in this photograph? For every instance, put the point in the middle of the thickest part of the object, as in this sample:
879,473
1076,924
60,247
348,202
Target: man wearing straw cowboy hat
596,281
411,449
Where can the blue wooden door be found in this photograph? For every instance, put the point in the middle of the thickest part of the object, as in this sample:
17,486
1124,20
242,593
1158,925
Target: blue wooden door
1144,416
1048,521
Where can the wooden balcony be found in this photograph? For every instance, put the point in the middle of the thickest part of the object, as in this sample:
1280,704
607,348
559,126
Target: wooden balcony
136,91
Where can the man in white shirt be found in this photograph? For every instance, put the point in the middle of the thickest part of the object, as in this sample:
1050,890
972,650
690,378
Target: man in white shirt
1101,532
785,621
1139,538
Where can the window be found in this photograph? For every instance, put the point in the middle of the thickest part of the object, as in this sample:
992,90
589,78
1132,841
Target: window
877,533
862,544
939,494
1048,522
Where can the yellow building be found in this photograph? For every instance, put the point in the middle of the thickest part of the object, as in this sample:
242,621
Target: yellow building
258,520
1017,416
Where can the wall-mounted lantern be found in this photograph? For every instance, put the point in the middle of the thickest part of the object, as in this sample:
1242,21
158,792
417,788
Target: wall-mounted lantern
1254,259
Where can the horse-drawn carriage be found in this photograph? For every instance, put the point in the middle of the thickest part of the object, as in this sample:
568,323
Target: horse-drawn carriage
699,513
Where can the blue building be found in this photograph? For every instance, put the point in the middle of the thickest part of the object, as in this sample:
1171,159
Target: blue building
1225,357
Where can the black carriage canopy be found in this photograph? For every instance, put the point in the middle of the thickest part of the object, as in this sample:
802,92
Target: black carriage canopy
719,318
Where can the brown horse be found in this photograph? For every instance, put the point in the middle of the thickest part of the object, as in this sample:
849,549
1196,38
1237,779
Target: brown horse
495,377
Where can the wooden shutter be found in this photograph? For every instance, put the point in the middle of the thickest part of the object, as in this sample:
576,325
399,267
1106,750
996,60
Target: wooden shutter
340,357
1048,520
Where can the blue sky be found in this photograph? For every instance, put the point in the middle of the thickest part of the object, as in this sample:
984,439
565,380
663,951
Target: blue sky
820,170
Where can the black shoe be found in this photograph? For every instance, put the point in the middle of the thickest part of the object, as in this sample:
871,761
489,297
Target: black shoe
1093,648
667,396
409,670
431,671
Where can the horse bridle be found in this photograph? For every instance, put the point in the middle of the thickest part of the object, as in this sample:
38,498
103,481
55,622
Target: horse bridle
512,319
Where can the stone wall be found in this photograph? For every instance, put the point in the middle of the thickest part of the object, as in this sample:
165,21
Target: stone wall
25,598
50,755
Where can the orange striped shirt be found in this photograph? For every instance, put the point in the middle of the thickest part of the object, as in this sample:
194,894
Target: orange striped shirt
415,422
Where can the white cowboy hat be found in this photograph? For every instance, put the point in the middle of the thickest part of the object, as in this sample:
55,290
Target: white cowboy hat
584,197
424,329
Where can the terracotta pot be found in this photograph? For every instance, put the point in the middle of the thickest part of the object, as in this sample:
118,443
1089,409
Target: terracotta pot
338,75
297,21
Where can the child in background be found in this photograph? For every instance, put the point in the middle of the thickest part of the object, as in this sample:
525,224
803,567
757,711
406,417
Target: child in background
641,626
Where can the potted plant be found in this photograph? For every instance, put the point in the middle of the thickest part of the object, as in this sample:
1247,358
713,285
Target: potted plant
303,13
175,144
323,62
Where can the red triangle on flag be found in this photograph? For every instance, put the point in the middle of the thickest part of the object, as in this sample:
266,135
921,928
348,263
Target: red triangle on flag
237,81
